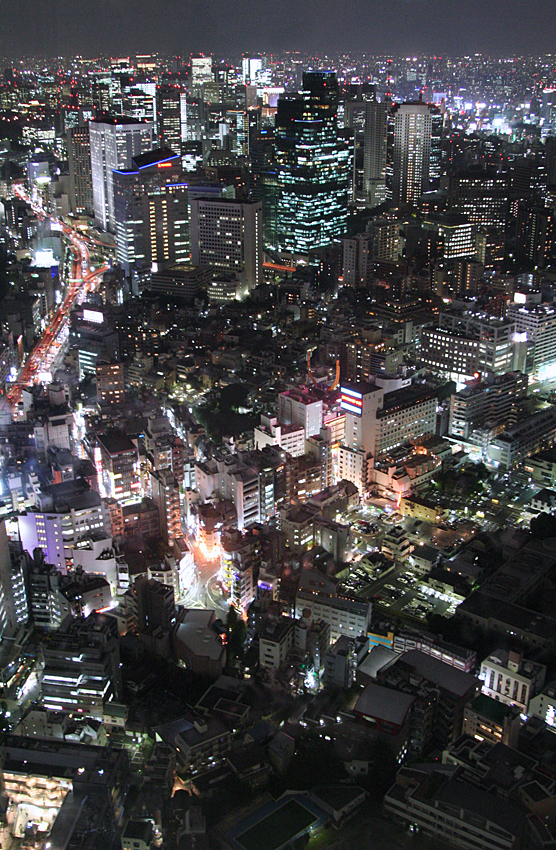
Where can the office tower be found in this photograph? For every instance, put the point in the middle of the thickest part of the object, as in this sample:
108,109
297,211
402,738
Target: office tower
375,148
549,105
251,68
192,112
489,405
313,166
436,165
412,152
151,211
385,239
227,235
114,143
201,72
451,236
139,101
460,347
482,196
92,335
550,160
80,175
536,323
168,114
535,235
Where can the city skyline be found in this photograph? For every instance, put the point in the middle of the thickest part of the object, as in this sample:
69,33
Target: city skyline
59,27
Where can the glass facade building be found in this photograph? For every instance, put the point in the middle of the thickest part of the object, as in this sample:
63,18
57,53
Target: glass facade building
314,164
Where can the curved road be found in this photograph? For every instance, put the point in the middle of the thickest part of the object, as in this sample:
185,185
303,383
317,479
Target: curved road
83,281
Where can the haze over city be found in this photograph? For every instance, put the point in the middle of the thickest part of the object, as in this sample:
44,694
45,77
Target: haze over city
63,27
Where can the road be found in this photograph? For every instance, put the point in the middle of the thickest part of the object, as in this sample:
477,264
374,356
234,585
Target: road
84,280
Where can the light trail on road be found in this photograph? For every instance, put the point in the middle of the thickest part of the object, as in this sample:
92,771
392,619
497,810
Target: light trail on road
83,280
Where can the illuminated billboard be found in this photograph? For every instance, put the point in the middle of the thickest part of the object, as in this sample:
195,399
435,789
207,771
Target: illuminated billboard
352,401
93,316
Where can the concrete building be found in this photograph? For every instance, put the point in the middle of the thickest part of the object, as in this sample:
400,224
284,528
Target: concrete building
487,719
276,639
340,664
82,667
227,235
377,422
114,143
110,384
440,803
412,152
465,347
197,646
166,496
66,514
486,404
119,463
527,437
301,408
508,678
538,322
317,593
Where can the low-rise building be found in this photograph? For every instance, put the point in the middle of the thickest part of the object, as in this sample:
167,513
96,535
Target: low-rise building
396,545
276,639
507,677
487,719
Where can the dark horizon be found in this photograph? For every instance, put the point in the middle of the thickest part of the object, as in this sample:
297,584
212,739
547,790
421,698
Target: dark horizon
63,27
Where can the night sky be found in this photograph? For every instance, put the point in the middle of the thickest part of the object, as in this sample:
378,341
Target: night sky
228,27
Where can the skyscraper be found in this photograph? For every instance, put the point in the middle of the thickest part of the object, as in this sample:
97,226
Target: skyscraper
79,161
168,111
114,143
151,211
375,146
412,151
314,166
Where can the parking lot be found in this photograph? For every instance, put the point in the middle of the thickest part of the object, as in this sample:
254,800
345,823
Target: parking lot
399,589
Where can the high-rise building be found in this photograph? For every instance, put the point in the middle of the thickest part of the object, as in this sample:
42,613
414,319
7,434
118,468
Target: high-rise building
482,196
314,166
375,147
227,235
535,235
412,152
151,211
80,175
114,143
169,115
201,72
